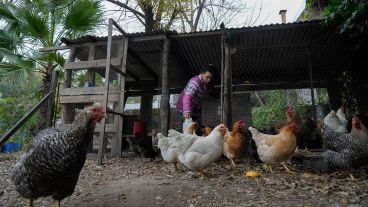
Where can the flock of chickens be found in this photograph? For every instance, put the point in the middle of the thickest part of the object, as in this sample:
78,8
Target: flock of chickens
54,159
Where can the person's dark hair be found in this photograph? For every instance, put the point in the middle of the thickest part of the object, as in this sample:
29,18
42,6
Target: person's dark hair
209,68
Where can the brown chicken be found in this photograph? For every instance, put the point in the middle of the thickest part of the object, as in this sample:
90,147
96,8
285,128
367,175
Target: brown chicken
206,131
234,142
277,148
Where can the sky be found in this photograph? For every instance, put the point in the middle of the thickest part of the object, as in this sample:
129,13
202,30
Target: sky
269,13
270,10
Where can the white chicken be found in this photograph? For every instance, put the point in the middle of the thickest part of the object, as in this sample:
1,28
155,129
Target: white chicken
175,143
203,152
337,123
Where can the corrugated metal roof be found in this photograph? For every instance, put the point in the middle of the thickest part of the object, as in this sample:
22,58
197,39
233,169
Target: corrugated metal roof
262,54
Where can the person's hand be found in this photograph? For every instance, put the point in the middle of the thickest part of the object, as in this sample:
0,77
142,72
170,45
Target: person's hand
186,115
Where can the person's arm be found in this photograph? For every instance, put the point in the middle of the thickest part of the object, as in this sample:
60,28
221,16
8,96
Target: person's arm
189,91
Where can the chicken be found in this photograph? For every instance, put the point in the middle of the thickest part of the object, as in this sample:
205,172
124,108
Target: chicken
290,117
342,116
155,141
206,131
175,143
307,135
234,142
202,152
53,160
335,123
346,151
277,148
143,145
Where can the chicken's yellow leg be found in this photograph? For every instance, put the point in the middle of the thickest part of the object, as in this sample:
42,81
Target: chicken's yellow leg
232,162
287,169
202,174
57,203
30,202
270,168
306,149
351,176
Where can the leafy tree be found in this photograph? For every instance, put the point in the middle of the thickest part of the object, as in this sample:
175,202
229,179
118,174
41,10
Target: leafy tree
27,25
152,14
350,15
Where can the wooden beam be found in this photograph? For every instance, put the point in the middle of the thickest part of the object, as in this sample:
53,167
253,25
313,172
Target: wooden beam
88,91
310,69
227,82
87,98
106,94
51,101
70,46
165,95
116,69
90,64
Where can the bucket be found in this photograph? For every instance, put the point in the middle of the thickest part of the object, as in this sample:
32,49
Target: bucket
17,147
139,128
8,147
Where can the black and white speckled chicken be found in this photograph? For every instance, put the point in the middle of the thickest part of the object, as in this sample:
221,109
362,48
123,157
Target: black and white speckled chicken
54,159
346,151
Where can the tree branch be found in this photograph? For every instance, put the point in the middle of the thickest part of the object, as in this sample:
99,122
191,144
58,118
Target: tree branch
125,6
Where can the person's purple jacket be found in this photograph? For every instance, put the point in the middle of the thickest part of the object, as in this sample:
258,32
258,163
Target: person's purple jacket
191,97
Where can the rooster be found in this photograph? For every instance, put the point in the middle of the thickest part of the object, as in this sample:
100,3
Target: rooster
290,117
346,151
202,152
234,142
53,160
277,148
155,141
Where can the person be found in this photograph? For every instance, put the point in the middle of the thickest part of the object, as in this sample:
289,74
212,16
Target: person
190,99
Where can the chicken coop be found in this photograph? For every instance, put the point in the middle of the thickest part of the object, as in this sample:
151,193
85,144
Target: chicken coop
298,63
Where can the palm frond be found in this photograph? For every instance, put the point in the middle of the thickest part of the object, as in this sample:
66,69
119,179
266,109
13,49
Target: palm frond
37,26
8,39
19,71
54,57
83,16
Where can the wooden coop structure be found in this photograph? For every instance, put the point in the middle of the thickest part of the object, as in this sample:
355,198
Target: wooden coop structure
247,59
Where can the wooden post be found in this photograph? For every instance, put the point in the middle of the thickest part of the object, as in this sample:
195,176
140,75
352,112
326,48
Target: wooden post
227,82
117,147
310,68
67,109
165,94
222,74
51,101
91,56
106,93
146,109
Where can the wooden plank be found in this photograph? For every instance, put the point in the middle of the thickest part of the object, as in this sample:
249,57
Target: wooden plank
117,145
106,92
88,91
227,83
51,101
70,46
116,69
109,127
165,96
91,64
87,98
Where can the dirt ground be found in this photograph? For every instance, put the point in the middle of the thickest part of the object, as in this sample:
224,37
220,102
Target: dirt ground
135,181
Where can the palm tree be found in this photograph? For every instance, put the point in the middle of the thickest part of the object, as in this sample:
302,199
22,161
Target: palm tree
27,25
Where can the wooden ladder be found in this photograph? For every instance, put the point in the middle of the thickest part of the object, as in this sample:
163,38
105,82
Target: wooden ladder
119,111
